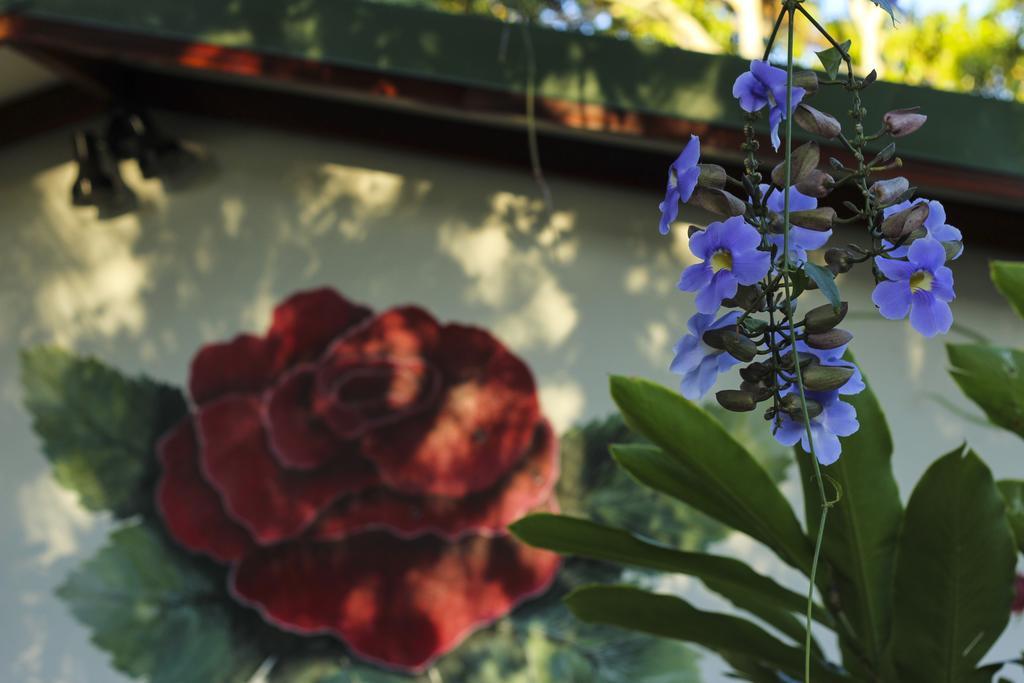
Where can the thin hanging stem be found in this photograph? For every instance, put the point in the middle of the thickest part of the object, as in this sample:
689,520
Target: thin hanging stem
531,110
792,342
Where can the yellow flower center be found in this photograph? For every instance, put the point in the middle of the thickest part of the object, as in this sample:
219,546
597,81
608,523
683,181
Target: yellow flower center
721,259
921,281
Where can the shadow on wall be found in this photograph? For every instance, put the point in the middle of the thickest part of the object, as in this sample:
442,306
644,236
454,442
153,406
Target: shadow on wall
290,213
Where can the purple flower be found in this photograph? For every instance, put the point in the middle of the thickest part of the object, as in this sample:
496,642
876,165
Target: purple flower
729,257
800,239
682,178
922,286
837,418
765,85
698,363
935,224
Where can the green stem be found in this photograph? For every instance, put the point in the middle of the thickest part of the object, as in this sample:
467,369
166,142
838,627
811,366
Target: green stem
792,343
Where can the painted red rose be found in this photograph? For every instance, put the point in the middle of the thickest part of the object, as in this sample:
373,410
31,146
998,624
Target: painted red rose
357,471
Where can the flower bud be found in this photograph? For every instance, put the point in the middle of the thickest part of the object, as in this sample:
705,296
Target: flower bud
953,249
711,176
808,80
885,156
718,201
805,160
886,192
902,122
817,184
838,260
736,401
817,122
824,318
905,222
738,346
760,390
826,377
806,359
869,79
819,219
715,338
791,404
755,372
832,339
747,298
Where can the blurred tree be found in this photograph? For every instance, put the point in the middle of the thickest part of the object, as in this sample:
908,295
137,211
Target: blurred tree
955,50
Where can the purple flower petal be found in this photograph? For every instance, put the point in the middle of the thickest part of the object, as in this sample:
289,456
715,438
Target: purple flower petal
696,277
687,356
669,209
707,373
749,91
826,445
895,270
942,285
723,286
737,235
929,316
774,119
767,74
798,201
687,183
703,242
750,267
690,155
892,299
789,432
927,254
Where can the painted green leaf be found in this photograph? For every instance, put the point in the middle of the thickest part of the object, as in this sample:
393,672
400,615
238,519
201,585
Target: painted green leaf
732,579
954,573
591,485
671,617
1008,277
1012,491
862,530
992,377
160,616
98,427
826,282
831,59
711,470
547,645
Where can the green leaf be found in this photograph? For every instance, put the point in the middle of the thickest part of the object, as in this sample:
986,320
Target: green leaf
992,377
826,282
954,573
730,578
887,6
98,427
832,58
1008,277
158,615
706,468
863,527
672,617
1013,495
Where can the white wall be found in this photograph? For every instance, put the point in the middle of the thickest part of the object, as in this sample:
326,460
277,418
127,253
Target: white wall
584,292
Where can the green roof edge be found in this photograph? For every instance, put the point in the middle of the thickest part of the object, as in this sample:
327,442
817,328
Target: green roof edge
963,130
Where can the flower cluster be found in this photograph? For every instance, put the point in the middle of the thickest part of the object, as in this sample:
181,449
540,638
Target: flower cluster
756,261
